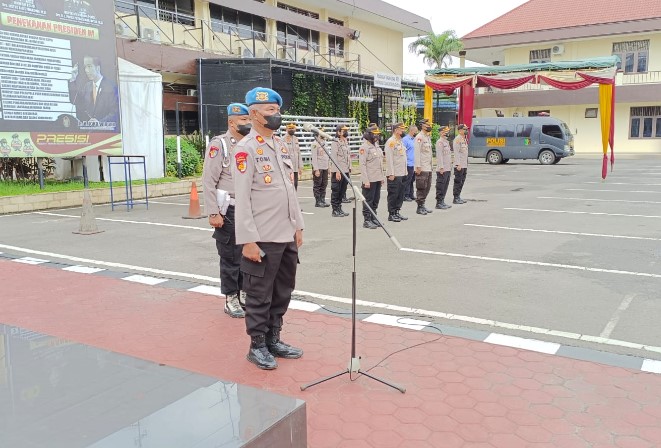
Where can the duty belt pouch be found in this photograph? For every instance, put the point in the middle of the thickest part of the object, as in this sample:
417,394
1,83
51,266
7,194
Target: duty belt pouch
252,267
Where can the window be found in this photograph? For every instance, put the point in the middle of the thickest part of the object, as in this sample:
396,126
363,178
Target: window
336,45
539,113
176,11
296,36
633,55
230,21
523,130
591,112
303,12
506,130
537,56
552,130
645,122
484,131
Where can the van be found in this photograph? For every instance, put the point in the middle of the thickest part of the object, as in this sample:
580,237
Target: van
497,140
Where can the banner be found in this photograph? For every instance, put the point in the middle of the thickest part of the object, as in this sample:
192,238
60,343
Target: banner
58,79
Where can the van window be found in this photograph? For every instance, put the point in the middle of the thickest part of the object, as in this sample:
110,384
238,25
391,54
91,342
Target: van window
523,130
506,130
552,130
484,131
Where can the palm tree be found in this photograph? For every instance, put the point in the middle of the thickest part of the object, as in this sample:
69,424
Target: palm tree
436,48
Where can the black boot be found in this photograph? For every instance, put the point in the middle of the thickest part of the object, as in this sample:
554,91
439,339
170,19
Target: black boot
392,216
259,353
336,212
376,222
401,218
458,200
369,224
323,202
346,200
421,210
318,203
342,211
279,348
427,210
442,205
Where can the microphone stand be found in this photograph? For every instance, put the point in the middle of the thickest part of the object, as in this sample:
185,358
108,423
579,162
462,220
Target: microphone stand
354,362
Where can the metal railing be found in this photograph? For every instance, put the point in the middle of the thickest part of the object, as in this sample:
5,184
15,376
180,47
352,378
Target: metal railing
157,25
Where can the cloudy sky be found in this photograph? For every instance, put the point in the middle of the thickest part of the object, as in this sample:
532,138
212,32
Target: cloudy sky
462,16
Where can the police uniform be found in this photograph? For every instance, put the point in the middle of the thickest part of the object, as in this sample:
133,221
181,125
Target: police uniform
395,166
320,162
460,146
268,214
370,161
342,155
443,169
217,175
423,161
291,142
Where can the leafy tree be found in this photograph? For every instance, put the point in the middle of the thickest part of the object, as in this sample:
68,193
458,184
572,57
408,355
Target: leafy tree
435,49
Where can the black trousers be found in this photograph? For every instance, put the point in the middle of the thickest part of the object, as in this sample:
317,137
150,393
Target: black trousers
395,193
410,179
296,180
320,184
268,286
442,184
422,186
338,189
372,198
459,179
230,255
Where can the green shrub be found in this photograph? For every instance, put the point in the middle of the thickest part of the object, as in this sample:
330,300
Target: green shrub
191,162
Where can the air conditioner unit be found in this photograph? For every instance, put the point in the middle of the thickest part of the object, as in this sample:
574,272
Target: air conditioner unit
122,29
191,92
247,53
151,34
558,49
515,114
285,53
309,62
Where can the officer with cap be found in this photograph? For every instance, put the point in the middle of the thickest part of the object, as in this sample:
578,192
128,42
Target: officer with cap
370,161
423,166
443,168
291,141
269,224
219,204
396,172
460,146
342,155
320,164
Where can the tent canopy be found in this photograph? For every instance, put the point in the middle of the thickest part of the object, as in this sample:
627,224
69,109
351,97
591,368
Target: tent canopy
586,64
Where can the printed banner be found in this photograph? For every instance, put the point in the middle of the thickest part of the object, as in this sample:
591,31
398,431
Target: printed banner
58,79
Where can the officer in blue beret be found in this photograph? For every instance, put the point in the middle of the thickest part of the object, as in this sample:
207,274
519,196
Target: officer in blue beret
219,204
269,224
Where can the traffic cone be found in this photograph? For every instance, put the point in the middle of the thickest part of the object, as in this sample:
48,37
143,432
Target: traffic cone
87,221
194,211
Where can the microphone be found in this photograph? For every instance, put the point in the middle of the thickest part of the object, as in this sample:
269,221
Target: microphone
308,127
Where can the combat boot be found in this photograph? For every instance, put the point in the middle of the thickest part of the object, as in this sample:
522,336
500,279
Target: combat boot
369,224
259,353
346,200
318,202
376,222
233,307
323,202
279,348
426,209
242,300
421,210
401,218
392,216
442,205
342,211
458,200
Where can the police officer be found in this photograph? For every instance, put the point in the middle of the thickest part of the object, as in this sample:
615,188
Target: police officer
319,170
269,224
291,141
342,155
423,166
370,161
219,189
396,172
460,146
443,168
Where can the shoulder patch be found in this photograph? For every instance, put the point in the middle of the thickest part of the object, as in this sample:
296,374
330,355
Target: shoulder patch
213,151
240,159
392,144
260,139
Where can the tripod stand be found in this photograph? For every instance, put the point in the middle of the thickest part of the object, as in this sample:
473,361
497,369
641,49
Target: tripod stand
354,362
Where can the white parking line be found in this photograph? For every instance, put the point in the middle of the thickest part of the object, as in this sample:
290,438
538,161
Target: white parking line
206,289
651,365
395,321
30,260
624,183
126,221
561,232
534,345
598,200
613,191
580,213
145,280
610,326
83,269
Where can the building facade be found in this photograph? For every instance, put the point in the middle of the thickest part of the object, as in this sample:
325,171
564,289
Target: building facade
334,37
544,31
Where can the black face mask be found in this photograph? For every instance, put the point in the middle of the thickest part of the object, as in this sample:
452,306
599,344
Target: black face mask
243,129
291,132
402,134
345,134
273,122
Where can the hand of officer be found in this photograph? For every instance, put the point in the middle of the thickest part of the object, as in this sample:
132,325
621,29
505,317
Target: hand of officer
338,176
251,252
366,184
316,173
299,238
391,177
216,220
418,170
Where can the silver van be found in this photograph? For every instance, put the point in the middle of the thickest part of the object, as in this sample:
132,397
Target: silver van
497,140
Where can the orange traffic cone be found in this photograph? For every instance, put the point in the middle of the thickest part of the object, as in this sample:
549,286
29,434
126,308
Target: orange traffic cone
194,204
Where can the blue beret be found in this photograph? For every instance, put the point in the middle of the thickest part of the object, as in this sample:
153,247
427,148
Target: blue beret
237,109
263,95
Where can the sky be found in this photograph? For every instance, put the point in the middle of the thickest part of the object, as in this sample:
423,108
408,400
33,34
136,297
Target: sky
445,15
